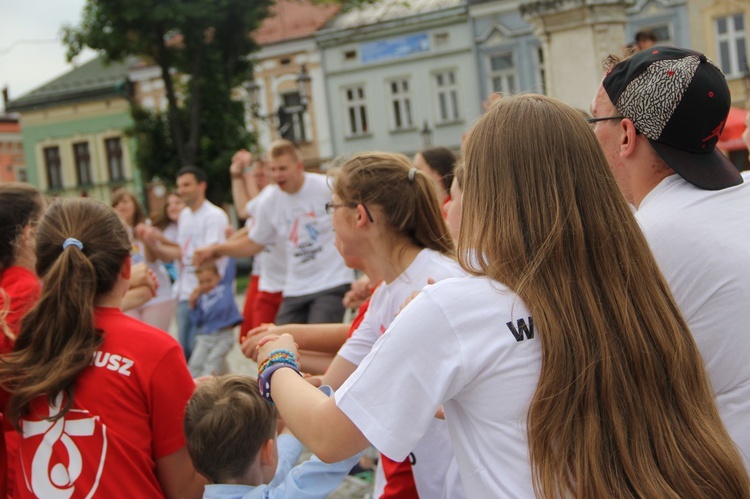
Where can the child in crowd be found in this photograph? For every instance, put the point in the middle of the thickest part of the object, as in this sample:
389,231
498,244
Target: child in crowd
232,440
214,313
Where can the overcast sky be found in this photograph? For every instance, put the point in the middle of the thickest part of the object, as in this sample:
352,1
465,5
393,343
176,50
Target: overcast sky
25,65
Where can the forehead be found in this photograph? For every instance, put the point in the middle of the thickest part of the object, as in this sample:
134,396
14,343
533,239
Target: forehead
285,159
601,103
187,179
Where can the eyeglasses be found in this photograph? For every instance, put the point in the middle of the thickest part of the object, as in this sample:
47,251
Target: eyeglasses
591,121
330,206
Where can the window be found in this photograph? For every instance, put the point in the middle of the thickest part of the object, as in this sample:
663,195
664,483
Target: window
83,163
114,159
441,39
401,106
355,107
291,118
447,96
54,168
731,44
502,73
350,55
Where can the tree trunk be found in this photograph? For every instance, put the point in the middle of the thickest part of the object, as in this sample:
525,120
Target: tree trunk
174,115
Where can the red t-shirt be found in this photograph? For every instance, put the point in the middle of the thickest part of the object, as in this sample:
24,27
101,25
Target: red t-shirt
22,288
127,412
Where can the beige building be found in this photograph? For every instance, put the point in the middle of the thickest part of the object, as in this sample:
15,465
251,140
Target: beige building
720,30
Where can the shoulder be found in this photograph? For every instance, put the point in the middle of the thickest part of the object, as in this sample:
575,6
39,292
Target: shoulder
118,327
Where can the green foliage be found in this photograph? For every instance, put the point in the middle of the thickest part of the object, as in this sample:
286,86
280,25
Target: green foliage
201,44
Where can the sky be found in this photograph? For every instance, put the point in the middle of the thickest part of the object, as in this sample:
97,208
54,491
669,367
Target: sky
31,53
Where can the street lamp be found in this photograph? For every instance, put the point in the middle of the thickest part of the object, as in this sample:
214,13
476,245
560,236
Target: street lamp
426,134
253,91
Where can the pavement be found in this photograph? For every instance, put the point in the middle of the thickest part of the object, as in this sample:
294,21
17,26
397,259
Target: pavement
351,487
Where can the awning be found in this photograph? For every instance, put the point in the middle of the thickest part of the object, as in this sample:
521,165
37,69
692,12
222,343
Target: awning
731,137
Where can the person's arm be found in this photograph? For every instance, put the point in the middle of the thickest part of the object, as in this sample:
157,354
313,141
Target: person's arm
312,416
244,187
237,248
152,238
326,338
338,372
178,478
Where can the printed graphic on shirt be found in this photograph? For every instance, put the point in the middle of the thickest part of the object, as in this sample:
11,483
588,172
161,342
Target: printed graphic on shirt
51,459
522,329
304,237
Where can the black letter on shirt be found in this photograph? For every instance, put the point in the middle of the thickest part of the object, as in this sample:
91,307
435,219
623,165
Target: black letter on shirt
522,329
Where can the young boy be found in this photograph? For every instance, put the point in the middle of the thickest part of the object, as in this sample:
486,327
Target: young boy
214,313
232,440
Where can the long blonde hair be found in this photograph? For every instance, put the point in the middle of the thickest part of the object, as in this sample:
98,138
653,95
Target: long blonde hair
623,407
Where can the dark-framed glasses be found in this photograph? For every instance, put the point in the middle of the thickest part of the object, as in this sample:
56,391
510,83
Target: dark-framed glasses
330,206
591,121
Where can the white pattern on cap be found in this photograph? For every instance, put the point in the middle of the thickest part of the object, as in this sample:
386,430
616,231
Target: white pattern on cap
652,97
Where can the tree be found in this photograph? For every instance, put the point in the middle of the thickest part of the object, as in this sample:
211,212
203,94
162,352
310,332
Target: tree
207,42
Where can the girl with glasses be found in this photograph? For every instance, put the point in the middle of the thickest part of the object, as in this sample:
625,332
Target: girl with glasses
563,364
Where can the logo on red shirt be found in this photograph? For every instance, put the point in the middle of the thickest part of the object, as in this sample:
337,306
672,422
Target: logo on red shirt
51,459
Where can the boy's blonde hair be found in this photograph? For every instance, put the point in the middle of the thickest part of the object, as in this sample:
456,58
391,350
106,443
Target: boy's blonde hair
226,424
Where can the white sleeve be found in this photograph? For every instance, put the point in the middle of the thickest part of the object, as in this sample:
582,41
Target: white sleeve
215,228
412,369
359,344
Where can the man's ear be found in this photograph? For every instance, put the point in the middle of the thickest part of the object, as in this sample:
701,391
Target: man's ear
267,454
125,268
628,137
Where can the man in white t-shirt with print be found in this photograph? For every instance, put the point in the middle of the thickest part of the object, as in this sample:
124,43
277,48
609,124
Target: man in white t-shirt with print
294,210
200,223
658,116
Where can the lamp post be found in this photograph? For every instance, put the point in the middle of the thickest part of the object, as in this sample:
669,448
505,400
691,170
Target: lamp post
253,92
426,134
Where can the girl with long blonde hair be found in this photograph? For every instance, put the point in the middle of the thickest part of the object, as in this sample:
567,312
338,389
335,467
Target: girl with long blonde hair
563,364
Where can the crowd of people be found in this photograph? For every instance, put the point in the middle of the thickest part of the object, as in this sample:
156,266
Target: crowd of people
557,311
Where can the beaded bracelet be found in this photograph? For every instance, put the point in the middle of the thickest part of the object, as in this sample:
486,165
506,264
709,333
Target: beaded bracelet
277,356
275,361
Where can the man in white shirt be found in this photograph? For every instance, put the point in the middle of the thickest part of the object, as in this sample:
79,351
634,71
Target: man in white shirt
201,223
294,210
658,116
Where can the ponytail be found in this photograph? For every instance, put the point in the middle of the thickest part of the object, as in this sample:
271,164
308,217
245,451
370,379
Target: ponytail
58,337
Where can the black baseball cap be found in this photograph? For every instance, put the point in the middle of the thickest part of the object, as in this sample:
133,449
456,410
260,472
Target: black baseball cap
679,100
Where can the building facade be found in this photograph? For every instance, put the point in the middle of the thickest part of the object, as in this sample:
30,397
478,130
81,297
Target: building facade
283,107
12,163
400,76
73,131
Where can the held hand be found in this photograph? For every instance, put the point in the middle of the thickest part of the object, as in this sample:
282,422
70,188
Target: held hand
202,255
272,342
149,235
250,343
240,161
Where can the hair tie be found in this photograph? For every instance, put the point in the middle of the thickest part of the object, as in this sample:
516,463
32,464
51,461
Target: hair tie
71,241
411,174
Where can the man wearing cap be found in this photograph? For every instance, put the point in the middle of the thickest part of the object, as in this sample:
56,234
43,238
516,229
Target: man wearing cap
658,116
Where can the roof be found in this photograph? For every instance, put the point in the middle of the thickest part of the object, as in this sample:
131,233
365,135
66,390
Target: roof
387,10
93,79
293,19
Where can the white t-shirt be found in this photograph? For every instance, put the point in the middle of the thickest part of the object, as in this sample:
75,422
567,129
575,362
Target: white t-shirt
432,456
387,300
313,263
701,241
270,264
468,344
196,229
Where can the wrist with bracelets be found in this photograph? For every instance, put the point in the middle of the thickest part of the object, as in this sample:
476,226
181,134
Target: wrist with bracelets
276,360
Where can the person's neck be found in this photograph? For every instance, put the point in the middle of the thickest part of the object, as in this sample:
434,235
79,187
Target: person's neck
113,299
26,259
647,183
390,261
195,207
252,477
